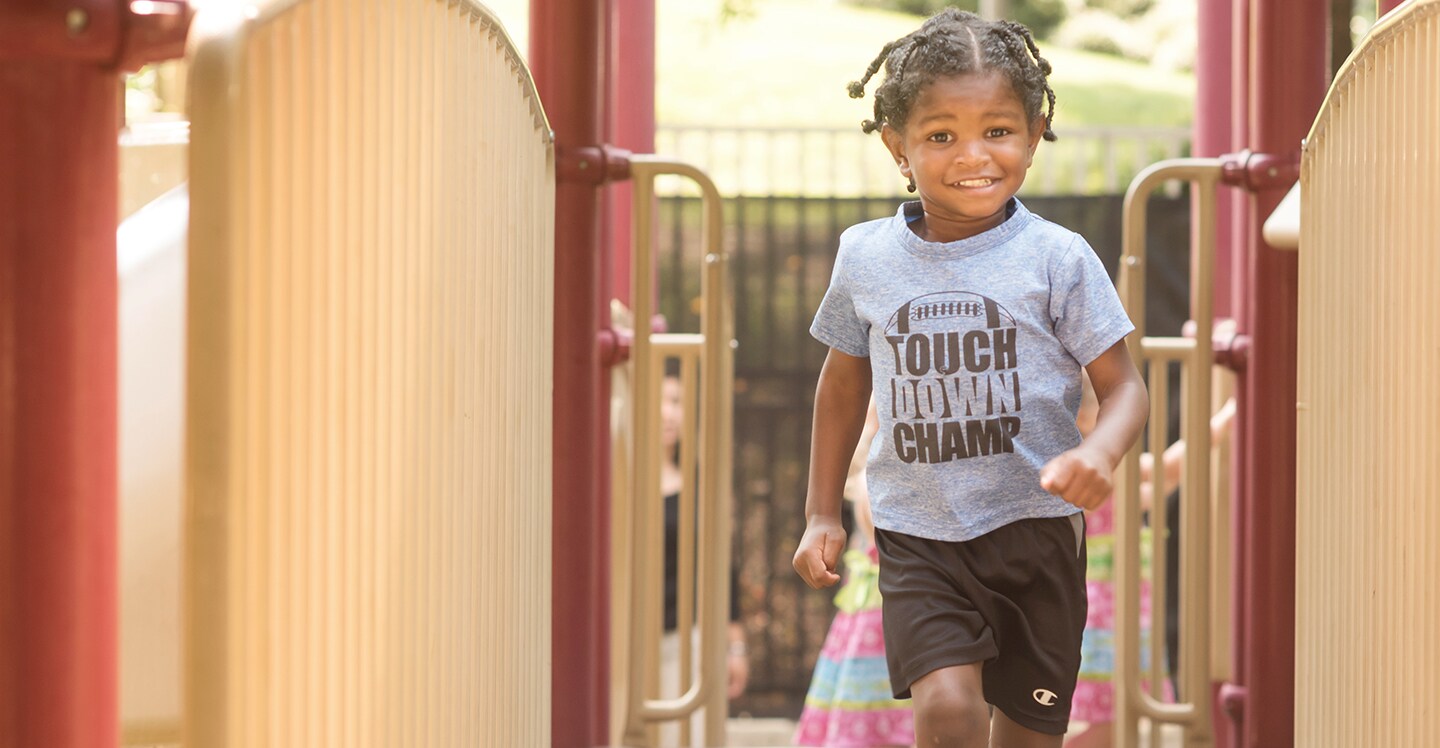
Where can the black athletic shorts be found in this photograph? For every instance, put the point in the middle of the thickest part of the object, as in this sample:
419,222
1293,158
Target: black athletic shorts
1013,599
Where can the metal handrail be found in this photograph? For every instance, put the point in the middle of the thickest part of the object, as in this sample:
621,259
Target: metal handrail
709,352
1196,357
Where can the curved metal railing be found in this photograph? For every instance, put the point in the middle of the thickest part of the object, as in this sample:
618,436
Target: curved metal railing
707,374
1196,359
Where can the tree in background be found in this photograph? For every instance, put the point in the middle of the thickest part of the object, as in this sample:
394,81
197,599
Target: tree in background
1350,21
1160,32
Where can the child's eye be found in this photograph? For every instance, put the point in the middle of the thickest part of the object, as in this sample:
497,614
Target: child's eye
997,132
940,137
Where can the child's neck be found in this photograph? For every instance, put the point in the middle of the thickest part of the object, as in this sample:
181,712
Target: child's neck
938,229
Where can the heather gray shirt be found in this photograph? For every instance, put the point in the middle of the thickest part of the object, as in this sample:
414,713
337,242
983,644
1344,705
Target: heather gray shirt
975,350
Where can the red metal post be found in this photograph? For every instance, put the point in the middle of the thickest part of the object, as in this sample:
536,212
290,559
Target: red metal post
568,61
1213,137
58,298
1231,694
1239,137
632,119
1289,70
59,81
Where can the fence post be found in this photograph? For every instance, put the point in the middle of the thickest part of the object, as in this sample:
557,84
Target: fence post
60,67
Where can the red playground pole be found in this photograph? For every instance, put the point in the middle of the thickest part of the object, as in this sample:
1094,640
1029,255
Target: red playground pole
1213,130
631,120
1288,78
571,67
60,69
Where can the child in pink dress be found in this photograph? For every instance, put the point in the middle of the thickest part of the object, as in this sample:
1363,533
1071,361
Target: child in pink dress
1094,700
850,704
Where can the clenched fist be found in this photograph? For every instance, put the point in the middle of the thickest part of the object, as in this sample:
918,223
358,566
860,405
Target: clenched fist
1080,476
819,553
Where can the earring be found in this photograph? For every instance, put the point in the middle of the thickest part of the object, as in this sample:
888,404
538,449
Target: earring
911,187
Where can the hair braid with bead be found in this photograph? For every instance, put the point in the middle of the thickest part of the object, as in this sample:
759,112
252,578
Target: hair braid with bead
956,42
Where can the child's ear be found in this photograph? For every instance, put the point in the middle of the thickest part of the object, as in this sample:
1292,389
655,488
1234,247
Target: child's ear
895,143
1037,131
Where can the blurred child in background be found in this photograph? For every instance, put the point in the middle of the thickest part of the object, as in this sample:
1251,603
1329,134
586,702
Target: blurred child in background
849,704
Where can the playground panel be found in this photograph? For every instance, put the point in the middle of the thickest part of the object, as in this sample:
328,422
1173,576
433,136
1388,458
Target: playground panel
1368,410
369,380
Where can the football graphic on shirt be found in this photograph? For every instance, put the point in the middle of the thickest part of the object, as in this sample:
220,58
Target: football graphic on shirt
955,385
948,311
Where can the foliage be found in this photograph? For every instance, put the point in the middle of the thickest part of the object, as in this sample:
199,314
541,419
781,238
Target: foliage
1041,16
1160,32
1122,8
734,10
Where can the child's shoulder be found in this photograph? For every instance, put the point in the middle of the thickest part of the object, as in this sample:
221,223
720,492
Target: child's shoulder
866,231
863,242
1052,236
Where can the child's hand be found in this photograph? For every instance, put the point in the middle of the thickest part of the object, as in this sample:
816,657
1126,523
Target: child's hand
1147,488
1080,476
819,553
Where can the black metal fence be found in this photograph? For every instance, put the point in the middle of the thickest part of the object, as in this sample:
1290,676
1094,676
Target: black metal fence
845,162
783,249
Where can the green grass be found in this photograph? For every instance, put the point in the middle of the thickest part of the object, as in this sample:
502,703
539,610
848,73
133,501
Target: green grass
789,63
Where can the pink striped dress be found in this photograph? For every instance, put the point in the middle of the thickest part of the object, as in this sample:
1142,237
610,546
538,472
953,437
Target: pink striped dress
849,704
1094,699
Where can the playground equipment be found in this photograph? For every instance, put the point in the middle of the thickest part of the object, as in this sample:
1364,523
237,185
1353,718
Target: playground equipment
1368,410
368,380
1195,356
397,359
706,366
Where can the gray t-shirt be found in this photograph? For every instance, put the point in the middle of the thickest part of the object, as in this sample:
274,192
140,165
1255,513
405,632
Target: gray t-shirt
975,350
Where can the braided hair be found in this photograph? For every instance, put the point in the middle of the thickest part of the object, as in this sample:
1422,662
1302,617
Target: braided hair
957,42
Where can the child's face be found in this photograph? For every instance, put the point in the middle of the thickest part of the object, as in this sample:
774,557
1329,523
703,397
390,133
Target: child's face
967,144
672,408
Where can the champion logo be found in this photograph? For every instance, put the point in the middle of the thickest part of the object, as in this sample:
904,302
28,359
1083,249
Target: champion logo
1044,697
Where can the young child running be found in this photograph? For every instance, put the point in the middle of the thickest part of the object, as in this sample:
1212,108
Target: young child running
969,318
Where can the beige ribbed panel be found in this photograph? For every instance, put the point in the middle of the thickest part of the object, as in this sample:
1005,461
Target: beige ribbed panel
1368,490
369,381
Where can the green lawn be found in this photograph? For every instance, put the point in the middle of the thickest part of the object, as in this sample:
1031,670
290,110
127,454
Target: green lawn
788,65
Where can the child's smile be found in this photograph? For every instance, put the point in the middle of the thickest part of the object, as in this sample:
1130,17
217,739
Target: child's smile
967,145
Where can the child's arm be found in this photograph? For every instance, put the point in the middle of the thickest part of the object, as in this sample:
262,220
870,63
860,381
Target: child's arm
840,399
857,489
738,662
1174,457
1081,476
